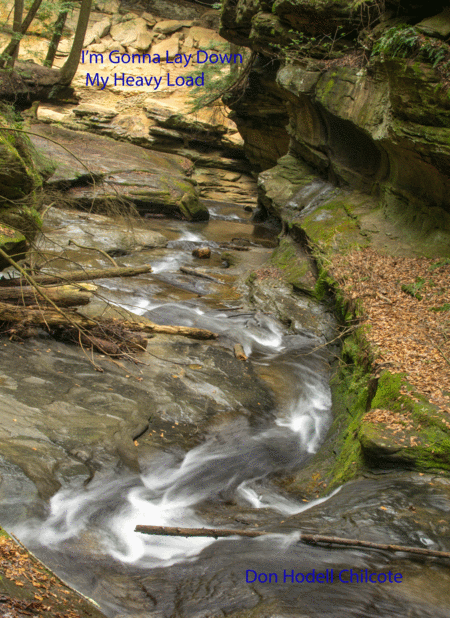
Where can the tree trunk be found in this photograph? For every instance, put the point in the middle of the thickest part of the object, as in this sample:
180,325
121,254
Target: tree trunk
30,15
79,275
58,30
9,59
70,66
12,49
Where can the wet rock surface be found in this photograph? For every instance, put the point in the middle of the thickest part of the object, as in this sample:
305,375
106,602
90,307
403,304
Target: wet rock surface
71,231
66,425
62,419
195,432
228,577
98,435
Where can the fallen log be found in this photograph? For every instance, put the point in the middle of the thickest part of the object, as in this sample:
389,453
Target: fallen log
197,273
62,295
306,538
79,275
104,346
70,318
164,329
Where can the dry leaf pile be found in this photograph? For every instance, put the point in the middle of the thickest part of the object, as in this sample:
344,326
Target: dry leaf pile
409,327
48,597
400,422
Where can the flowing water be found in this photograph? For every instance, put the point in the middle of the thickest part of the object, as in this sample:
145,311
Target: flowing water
87,533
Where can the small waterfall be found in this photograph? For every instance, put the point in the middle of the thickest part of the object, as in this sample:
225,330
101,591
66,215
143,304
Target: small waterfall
310,197
232,463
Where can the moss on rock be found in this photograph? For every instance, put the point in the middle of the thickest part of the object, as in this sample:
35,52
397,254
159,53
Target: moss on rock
296,265
414,433
20,188
13,243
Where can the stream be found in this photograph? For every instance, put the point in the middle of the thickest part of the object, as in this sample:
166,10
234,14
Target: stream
229,477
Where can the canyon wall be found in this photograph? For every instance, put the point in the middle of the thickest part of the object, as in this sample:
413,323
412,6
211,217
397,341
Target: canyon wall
352,93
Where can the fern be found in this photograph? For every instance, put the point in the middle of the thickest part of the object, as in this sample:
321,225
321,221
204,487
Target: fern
405,41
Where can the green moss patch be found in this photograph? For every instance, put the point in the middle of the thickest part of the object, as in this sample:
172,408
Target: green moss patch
13,243
404,428
334,226
295,265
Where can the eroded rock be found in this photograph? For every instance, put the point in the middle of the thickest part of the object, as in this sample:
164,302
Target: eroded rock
152,181
77,422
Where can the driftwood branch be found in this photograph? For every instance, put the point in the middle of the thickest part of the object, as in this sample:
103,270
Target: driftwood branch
80,275
162,329
52,318
306,538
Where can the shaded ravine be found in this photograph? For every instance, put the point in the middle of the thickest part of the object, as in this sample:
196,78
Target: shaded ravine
88,531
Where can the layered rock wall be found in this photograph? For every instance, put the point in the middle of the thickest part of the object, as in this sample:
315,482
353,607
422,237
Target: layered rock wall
355,93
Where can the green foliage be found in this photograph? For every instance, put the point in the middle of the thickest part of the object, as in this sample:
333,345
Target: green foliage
216,81
397,42
45,17
301,45
443,262
444,307
413,289
405,41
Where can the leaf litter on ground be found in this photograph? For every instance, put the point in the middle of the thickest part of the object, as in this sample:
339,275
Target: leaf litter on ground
403,302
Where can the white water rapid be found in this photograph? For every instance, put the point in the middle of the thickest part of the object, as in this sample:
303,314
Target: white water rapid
168,492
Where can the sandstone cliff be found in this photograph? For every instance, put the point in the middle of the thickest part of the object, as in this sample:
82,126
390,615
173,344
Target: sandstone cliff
353,93
346,113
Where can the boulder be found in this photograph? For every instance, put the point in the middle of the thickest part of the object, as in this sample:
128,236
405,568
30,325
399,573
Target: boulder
151,21
143,41
171,25
98,48
438,25
128,32
59,418
97,31
65,228
107,6
64,47
203,38
99,171
168,48
93,111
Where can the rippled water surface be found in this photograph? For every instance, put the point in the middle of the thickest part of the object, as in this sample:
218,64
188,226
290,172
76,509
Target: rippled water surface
88,532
